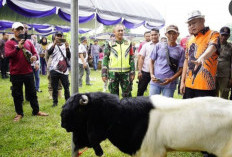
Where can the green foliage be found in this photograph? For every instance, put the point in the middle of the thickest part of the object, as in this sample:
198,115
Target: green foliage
109,29
43,136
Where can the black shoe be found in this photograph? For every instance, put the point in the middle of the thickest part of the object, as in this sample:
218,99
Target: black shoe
54,105
89,84
3,76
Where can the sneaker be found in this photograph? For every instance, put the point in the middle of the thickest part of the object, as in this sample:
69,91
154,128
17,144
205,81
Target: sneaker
41,114
18,117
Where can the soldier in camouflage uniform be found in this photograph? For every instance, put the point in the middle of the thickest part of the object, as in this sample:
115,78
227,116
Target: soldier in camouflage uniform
118,63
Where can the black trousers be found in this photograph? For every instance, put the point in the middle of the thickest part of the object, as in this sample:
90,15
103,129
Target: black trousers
192,93
4,66
17,92
55,77
143,83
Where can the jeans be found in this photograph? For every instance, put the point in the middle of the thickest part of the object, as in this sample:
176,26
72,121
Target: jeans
168,92
95,61
37,79
55,77
81,73
17,92
43,65
142,86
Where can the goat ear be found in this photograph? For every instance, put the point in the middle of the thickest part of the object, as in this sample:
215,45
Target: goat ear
96,132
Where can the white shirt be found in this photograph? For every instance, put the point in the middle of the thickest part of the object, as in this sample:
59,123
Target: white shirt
82,49
146,52
56,57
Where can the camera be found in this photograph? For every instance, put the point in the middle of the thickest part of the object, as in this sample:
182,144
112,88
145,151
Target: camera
62,40
25,36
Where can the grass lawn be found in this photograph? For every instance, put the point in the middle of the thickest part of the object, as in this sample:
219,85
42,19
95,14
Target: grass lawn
43,136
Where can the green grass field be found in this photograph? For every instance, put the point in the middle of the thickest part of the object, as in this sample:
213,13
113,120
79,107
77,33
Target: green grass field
43,136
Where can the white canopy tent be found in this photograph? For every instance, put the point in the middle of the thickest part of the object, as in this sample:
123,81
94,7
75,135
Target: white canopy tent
132,13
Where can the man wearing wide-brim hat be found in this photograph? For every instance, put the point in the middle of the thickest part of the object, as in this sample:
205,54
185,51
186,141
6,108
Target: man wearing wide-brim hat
200,66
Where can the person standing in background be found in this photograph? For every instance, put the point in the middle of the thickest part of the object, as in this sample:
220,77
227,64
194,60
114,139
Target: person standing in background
44,47
144,62
4,60
224,67
95,49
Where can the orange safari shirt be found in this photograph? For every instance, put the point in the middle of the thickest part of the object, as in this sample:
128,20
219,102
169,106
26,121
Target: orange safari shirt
204,77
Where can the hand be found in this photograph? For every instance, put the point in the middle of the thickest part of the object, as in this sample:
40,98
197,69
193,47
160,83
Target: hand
182,88
166,81
33,58
84,65
140,75
66,45
21,43
36,66
104,79
154,79
132,77
198,62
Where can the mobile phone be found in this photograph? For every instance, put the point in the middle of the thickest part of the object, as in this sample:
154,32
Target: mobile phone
160,80
62,40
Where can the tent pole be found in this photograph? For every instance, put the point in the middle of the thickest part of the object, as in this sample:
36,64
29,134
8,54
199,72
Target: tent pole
74,56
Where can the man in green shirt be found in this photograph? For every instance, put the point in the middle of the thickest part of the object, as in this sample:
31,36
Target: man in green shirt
118,63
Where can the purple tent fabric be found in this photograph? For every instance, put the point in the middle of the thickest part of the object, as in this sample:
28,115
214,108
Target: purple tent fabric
43,31
67,17
151,26
108,22
38,26
131,25
28,12
6,24
62,29
1,3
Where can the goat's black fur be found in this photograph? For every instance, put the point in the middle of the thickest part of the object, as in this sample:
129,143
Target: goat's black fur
123,122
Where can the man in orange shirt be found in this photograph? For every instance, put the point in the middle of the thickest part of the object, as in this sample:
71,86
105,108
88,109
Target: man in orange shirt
200,66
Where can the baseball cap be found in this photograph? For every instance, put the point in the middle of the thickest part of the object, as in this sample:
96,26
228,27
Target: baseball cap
83,38
172,28
58,33
196,14
17,25
225,30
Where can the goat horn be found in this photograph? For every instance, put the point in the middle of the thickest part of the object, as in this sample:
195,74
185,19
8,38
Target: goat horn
84,100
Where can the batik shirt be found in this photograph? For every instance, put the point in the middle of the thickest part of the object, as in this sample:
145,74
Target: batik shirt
203,78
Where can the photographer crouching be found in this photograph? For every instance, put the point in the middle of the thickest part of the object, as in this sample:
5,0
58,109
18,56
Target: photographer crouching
60,54
21,54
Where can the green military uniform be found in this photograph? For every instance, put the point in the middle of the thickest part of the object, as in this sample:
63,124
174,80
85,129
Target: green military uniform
118,66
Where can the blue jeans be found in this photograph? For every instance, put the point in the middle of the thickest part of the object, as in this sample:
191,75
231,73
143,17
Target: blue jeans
37,79
168,92
95,61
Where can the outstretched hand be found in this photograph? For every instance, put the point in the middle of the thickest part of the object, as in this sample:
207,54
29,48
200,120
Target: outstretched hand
197,63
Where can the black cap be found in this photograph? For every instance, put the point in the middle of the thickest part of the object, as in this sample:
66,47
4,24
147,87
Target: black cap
58,33
83,39
225,30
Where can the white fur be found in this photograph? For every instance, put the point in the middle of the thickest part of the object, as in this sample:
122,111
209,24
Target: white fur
198,124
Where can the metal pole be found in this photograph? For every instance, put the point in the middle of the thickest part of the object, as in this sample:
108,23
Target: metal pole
74,56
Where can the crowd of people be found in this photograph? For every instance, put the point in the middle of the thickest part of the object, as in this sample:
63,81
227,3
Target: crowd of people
201,64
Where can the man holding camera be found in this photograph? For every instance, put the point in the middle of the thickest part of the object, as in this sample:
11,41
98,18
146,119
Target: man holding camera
21,53
60,54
